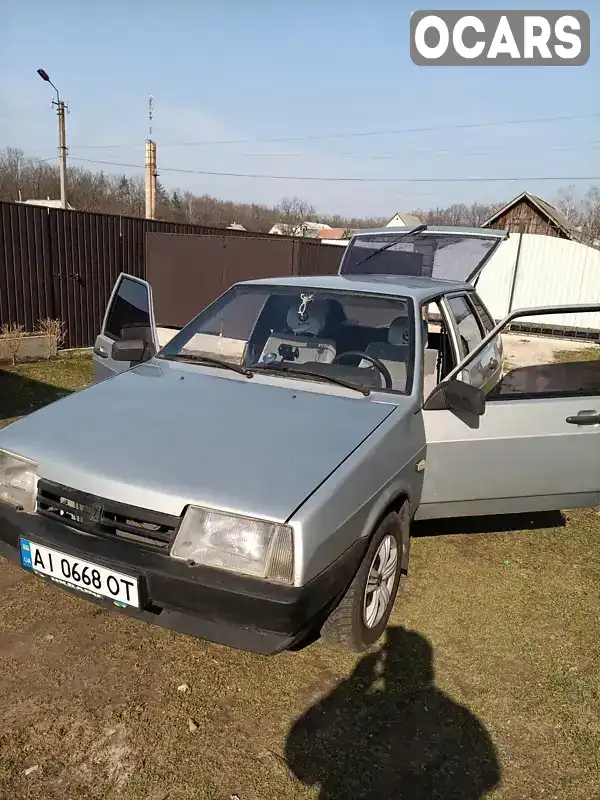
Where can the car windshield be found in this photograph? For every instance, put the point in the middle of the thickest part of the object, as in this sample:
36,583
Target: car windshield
364,341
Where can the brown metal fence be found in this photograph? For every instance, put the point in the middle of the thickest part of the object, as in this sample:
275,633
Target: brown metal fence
63,264
188,272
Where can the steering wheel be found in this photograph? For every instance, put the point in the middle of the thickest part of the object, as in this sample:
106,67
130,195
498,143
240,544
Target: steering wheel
379,365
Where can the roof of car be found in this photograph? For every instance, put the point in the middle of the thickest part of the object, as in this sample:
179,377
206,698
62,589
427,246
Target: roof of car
406,286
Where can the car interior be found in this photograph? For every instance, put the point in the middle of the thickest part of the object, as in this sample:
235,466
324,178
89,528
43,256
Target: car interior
439,358
326,339
337,336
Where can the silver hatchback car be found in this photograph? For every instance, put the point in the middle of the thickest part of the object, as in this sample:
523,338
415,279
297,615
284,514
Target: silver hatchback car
251,478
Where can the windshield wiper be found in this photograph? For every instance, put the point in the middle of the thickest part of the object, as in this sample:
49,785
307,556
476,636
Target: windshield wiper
281,367
213,362
418,229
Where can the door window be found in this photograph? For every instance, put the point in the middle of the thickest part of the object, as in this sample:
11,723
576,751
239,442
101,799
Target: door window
542,366
129,311
469,332
484,316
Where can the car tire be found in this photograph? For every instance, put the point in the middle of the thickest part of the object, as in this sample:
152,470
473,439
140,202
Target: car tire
356,623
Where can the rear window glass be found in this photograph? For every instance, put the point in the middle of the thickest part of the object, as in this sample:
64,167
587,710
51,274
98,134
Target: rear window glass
452,256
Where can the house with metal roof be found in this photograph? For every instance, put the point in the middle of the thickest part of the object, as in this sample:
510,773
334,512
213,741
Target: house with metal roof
309,230
401,219
528,213
48,203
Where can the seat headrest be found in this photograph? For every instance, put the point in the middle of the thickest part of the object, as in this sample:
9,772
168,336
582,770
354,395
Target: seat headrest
399,332
315,321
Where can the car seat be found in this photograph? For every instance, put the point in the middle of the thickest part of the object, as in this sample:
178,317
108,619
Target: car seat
394,353
430,371
430,363
302,341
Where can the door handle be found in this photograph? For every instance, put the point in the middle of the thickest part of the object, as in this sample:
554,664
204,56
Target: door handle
100,351
585,418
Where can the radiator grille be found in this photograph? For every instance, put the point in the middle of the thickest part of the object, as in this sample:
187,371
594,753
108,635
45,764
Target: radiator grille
106,518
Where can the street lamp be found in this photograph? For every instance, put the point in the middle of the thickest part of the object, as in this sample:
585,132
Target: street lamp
62,138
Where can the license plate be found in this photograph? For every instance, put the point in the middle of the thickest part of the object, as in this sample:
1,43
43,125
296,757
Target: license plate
73,572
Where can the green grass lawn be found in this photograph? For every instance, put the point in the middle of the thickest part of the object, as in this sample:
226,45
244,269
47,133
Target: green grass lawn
584,354
487,686
31,385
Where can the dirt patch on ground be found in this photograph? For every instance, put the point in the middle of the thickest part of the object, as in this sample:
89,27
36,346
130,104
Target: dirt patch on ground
493,646
523,351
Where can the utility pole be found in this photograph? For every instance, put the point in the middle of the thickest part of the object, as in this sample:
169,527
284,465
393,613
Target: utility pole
62,138
62,151
151,171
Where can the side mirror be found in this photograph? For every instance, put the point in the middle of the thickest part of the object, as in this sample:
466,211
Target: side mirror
136,350
457,396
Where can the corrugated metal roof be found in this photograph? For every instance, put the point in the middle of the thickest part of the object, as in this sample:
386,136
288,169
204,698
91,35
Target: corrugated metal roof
557,216
308,230
47,204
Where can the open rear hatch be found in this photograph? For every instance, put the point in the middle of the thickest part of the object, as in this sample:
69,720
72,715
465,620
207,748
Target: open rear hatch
456,254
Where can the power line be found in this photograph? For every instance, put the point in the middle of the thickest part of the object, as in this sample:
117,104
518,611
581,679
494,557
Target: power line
541,148
343,179
559,147
464,126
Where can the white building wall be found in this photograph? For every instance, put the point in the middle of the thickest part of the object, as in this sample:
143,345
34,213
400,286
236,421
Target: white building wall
551,271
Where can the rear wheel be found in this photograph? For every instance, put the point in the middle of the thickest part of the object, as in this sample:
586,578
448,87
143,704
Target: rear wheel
363,613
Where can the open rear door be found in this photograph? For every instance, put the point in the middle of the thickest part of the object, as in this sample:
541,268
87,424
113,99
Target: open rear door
129,315
456,254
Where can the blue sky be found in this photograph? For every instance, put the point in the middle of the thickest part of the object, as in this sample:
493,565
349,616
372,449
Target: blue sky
233,70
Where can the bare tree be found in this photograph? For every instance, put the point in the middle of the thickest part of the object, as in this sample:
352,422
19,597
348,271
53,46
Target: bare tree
292,213
55,333
591,216
13,337
568,204
459,214
23,177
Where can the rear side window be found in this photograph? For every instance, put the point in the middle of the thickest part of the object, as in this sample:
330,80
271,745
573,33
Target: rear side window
469,331
483,314
130,309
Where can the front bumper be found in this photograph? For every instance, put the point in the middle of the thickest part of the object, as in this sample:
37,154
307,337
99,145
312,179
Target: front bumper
207,603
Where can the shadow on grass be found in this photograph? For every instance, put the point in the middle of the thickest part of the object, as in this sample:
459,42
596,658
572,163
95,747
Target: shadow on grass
489,524
389,732
20,394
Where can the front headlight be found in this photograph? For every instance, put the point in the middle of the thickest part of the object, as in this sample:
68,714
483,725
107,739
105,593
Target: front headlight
17,480
238,544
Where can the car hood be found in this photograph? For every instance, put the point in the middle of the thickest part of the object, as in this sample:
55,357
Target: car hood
163,435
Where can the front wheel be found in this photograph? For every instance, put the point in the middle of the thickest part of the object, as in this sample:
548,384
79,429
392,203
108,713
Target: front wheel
362,615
